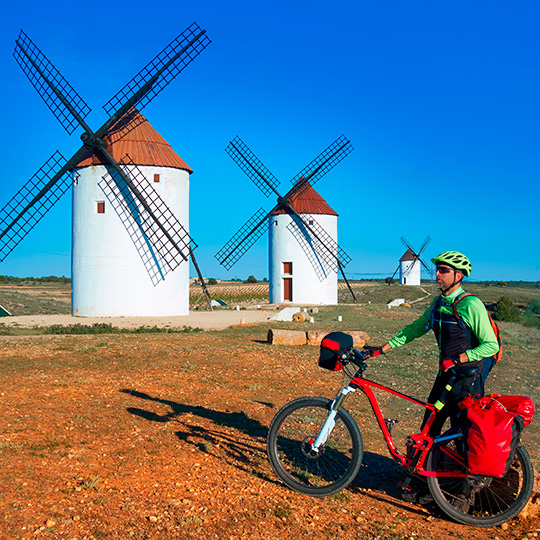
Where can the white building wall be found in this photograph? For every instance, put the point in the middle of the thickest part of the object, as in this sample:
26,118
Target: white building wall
283,247
409,273
109,278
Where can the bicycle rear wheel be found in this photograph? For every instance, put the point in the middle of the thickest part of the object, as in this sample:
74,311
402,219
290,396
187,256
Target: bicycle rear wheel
481,501
291,435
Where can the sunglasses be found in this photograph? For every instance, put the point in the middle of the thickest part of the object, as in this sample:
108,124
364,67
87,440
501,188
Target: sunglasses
443,269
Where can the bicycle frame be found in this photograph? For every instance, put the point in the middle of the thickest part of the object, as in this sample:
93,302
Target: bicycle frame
421,442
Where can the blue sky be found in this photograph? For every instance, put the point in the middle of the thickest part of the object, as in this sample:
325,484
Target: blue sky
439,100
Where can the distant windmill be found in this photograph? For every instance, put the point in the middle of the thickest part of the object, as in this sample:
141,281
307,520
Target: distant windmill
316,244
409,264
160,239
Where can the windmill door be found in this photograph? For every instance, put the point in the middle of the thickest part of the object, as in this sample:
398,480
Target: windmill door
287,289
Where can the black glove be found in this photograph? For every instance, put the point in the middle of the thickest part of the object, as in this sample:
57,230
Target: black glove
373,351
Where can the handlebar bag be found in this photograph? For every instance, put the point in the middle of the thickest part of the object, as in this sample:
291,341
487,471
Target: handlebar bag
334,347
493,431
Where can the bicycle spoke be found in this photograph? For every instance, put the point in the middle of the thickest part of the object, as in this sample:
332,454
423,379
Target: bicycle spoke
483,501
321,472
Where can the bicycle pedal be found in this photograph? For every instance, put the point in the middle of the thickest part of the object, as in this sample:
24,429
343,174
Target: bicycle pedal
404,484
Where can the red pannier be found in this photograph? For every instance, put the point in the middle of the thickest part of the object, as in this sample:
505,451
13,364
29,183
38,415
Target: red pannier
493,430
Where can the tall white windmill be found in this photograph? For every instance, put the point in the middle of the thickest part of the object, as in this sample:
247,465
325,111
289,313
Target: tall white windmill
116,271
106,272
304,255
297,273
410,264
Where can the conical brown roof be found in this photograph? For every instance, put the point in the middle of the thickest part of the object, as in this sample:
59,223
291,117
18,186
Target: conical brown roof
307,201
145,146
409,255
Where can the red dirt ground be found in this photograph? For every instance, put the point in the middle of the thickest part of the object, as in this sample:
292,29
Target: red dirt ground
163,437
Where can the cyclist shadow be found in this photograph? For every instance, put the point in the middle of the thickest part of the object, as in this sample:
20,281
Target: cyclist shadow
379,478
237,435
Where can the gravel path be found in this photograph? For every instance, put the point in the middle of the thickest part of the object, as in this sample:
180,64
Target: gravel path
207,320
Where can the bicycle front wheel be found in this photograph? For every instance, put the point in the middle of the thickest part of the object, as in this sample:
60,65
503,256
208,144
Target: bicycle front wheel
481,501
291,434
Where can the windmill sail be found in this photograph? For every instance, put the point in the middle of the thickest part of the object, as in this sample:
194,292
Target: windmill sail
319,247
159,72
63,101
324,162
22,213
159,252
254,169
243,239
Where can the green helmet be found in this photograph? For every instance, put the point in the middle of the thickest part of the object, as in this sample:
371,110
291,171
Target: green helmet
456,260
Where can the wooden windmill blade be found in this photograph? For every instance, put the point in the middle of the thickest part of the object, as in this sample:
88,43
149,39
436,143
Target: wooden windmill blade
159,72
71,110
243,239
21,214
66,104
424,245
325,161
157,251
323,252
251,165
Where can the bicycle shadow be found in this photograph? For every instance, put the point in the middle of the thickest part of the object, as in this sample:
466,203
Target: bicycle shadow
379,478
241,438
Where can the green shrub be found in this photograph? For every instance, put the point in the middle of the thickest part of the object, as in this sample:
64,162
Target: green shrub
212,281
505,310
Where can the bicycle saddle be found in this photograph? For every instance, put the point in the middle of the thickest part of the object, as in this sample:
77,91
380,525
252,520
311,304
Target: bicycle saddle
466,371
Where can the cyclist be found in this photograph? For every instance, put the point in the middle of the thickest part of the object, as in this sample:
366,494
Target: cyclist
462,345
471,343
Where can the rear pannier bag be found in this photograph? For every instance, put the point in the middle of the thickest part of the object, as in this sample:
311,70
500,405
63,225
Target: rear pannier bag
493,430
333,347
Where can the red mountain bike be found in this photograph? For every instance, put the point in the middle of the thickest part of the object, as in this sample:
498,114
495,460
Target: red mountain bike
315,447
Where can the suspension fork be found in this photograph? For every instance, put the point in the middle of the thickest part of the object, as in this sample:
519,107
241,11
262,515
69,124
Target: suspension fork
330,421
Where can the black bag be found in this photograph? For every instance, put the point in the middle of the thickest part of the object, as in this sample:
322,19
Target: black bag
334,347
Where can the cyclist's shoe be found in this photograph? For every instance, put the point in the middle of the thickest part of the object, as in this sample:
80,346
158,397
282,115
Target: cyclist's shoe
461,502
420,497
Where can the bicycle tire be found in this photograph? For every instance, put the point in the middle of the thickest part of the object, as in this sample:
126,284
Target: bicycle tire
482,501
291,431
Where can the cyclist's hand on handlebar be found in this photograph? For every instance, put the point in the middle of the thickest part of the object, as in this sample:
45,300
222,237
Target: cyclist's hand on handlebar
372,351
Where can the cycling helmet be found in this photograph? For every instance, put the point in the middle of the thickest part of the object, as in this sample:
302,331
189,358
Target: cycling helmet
456,260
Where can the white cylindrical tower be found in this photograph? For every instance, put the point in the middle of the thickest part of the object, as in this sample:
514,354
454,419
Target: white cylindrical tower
297,271
111,275
409,269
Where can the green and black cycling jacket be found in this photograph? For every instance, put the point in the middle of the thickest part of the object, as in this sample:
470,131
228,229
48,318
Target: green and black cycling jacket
474,315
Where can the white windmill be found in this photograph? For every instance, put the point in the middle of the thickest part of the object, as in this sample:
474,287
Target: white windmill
410,264
304,257
297,274
111,257
130,199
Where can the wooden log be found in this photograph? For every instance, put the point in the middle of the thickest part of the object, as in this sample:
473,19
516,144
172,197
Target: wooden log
359,338
316,336
286,337
300,317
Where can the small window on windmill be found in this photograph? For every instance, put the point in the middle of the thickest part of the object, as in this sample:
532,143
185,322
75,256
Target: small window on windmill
287,268
274,223
100,207
310,222
156,178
